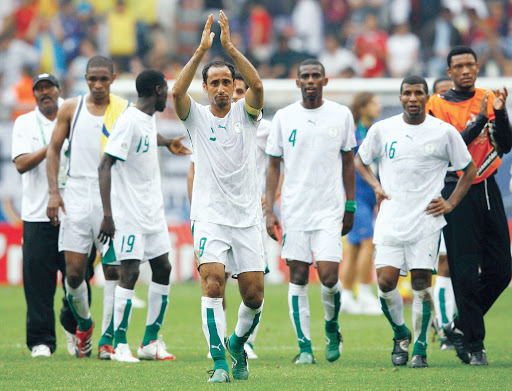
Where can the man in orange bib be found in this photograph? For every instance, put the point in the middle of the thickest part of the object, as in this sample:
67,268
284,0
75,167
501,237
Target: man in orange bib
477,235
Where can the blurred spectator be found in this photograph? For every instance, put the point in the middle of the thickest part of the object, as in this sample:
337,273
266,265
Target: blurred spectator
507,50
439,36
497,19
338,61
423,12
22,94
370,48
360,9
145,12
48,41
14,54
75,81
24,16
259,31
403,50
336,13
284,59
7,9
399,11
307,22
68,18
475,31
122,35
491,54
166,17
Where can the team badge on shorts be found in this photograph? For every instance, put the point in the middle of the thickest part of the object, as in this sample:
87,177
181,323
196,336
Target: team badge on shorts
238,127
333,132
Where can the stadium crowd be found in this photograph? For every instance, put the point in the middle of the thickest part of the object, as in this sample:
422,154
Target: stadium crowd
362,38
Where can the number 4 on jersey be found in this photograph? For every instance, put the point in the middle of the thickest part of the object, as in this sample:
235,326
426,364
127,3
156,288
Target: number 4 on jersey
293,135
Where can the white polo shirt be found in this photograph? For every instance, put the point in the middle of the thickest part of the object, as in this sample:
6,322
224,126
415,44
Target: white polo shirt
31,132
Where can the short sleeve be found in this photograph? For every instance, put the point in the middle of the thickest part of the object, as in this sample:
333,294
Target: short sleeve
274,141
20,141
192,114
120,139
349,141
371,147
457,150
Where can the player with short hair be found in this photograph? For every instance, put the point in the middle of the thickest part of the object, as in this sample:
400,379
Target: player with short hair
137,214
86,121
314,137
477,235
413,152
226,204
81,120
239,91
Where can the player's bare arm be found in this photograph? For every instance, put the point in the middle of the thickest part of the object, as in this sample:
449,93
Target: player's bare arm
439,206
107,228
179,91
370,178
28,161
60,133
349,183
190,181
173,144
254,96
273,175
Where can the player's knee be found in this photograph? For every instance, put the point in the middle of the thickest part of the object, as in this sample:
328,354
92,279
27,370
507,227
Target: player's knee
386,283
329,281
74,279
129,277
111,272
254,300
214,287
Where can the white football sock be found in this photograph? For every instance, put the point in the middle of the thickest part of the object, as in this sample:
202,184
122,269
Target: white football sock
298,304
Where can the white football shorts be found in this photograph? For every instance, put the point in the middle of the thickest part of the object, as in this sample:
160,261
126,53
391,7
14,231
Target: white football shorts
80,225
322,244
418,255
139,246
240,250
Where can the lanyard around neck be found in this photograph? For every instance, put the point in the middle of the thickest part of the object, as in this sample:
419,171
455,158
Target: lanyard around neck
41,129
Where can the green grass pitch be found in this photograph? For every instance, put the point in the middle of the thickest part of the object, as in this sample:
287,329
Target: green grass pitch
365,363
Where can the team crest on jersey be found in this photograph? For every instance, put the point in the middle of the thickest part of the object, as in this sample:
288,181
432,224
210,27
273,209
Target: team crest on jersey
238,127
429,149
124,146
333,132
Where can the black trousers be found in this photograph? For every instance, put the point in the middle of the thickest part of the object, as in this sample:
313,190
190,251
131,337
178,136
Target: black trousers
478,247
41,260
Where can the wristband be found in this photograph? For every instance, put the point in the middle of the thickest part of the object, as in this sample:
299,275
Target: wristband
350,206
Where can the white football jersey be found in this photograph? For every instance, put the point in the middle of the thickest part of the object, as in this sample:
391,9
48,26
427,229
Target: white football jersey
413,160
137,202
311,142
226,184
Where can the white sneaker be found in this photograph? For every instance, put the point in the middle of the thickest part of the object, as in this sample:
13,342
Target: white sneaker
123,353
155,350
250,352
138,303
349,305
71,342
369,305
41,351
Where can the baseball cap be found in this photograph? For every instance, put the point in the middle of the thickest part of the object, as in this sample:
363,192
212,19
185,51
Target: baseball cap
45,76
